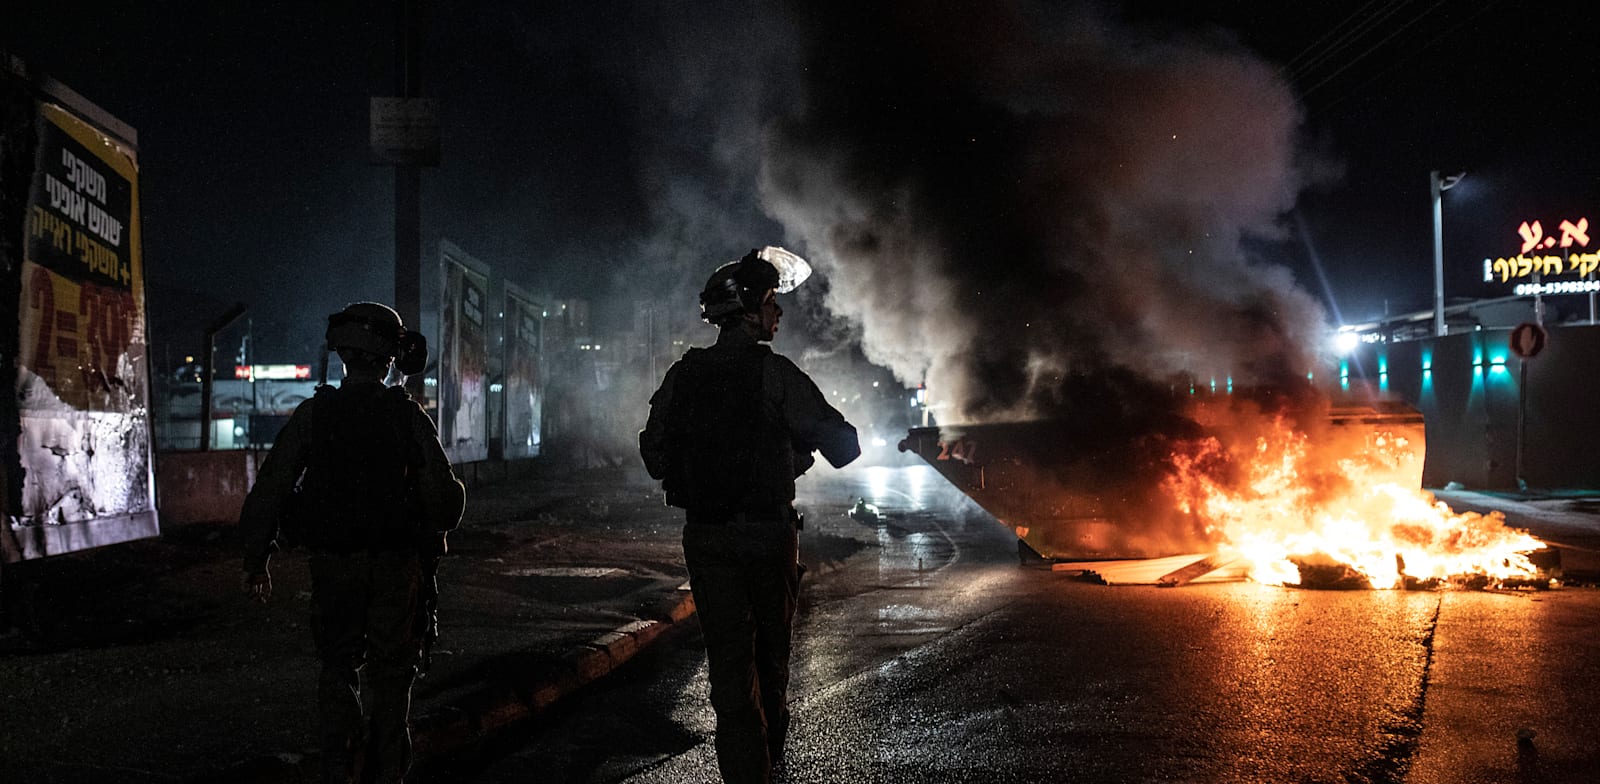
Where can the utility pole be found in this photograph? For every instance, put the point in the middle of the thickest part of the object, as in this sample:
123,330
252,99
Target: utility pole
408,182
404,133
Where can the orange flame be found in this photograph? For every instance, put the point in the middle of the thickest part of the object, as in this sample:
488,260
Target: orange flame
1281,501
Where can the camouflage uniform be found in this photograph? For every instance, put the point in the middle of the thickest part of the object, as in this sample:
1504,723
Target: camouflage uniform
367,564
730,429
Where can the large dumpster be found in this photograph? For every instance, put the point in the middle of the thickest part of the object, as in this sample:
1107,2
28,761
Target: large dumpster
1094,488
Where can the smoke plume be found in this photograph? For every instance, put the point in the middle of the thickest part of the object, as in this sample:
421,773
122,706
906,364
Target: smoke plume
1034,209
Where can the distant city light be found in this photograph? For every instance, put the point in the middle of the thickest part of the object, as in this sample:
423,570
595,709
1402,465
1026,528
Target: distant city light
272,372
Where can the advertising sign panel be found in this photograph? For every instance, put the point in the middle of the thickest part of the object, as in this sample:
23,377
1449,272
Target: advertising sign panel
524,384
82,372
1548,262
463,356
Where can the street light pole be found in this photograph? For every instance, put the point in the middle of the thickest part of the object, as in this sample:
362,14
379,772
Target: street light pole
1436,187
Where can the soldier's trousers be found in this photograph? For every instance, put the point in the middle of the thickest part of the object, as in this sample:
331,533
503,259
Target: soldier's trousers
745,583
364,615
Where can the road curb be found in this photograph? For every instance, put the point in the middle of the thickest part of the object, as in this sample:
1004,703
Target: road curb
494,706
498,705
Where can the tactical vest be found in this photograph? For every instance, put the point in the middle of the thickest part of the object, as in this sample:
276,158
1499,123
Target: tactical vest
359,488
729,449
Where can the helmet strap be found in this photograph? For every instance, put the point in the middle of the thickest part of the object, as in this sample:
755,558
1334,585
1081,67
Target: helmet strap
744,321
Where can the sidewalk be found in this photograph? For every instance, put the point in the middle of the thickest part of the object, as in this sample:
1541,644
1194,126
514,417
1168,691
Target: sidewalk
149,666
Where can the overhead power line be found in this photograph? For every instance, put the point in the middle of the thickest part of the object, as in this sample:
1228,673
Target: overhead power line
1404,56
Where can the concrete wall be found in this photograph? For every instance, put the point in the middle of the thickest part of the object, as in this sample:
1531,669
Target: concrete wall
1488,412
209,487
203,487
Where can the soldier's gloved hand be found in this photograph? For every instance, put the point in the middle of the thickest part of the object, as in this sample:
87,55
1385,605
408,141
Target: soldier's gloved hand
258,586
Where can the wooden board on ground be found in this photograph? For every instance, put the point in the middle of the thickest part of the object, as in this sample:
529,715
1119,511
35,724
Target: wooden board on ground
1172,570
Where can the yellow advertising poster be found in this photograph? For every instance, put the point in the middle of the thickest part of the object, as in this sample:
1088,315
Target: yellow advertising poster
82,378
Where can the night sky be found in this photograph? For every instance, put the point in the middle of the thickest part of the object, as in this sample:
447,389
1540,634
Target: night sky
620,151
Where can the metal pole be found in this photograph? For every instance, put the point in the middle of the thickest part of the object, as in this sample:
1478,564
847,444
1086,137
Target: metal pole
1591,294
255,398
208,365
1434,192
650,341
1538,298
1522,416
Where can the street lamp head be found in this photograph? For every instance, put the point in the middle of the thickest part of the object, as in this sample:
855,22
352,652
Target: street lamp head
1446,183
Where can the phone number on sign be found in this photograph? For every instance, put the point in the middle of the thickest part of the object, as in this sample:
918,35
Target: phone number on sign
1560,287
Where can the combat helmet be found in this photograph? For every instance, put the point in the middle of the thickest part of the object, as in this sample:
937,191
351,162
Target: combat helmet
738,286
376,329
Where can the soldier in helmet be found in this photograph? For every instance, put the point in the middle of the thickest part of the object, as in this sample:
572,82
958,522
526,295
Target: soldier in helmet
730,429
358,477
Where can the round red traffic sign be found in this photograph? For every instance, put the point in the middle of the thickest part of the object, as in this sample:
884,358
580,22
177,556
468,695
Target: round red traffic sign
1528,339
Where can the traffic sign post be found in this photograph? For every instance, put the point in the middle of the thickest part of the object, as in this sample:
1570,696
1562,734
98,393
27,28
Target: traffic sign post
1527,340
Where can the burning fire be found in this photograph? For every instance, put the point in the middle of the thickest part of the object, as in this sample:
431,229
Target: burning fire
1339,507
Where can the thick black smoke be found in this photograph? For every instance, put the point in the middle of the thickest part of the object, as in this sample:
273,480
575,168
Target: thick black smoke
1034,209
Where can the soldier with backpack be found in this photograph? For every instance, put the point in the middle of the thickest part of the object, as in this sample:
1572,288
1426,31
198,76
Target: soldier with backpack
730,429
358,477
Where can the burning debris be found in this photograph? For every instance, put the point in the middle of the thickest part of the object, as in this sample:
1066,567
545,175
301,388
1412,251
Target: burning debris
1312,505
1284,489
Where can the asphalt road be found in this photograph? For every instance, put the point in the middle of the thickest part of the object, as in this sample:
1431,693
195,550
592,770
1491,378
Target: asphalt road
926,653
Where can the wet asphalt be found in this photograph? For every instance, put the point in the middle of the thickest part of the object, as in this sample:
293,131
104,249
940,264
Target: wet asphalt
143,663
